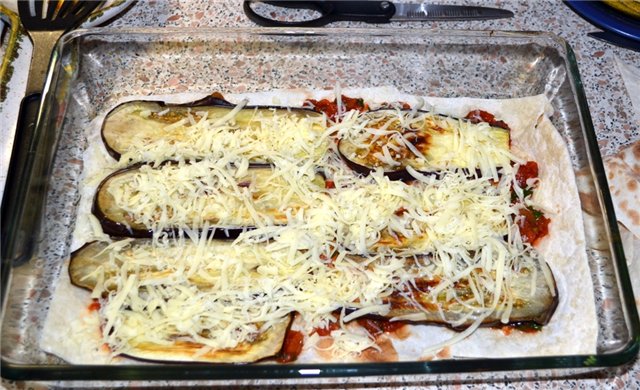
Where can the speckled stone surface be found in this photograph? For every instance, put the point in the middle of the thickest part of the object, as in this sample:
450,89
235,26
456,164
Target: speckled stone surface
615,122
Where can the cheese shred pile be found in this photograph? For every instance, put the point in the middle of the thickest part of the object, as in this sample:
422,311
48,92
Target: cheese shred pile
192,133
330,254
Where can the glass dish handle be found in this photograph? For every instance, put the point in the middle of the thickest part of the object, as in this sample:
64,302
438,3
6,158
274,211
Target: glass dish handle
21,204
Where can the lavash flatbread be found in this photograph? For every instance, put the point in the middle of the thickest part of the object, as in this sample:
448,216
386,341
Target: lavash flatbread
623,177
533,137
623,174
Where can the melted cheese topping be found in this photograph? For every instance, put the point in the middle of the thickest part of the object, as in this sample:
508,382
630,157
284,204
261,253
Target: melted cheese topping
347,248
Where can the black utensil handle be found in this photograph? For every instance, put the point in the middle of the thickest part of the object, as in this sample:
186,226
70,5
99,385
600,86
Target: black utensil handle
20,205
331,11
363,11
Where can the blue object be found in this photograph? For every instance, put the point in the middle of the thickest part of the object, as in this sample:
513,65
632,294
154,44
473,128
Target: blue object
607,18
616,39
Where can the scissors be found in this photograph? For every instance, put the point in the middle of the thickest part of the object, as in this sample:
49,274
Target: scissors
370,12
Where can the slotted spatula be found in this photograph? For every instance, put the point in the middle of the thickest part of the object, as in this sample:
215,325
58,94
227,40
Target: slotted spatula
45,21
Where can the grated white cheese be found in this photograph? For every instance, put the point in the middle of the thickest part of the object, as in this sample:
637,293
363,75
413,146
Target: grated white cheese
339,248
177,133
425,141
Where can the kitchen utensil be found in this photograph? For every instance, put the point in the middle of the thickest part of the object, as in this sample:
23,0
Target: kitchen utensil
15,67
370,12
9,34
45,22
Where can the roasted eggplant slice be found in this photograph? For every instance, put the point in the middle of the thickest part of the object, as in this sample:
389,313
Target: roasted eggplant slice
136,201
156,131
265,344
529,305
529,296
101,265
429,143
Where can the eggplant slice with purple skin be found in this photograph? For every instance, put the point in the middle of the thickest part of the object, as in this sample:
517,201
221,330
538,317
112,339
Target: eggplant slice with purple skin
393,140
536,309
157,131
141,199
84,269
533,301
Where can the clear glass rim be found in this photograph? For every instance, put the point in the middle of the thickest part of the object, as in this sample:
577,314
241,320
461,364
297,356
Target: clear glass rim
190,371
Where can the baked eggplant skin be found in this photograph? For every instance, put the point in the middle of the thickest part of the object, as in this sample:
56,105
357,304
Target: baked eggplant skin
111,134
422,142
536,310
413,301
112,226
113,220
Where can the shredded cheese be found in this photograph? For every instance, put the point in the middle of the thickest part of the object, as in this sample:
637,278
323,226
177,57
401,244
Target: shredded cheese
259,135
315,250
424,141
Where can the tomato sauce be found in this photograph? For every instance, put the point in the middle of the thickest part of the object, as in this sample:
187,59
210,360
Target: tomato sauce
533,225
94,306
385,352
524,327
400,212
525,172
377,327
291,347
477,116
330,108
326,331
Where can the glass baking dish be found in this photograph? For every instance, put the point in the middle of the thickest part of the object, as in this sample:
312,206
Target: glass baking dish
92,69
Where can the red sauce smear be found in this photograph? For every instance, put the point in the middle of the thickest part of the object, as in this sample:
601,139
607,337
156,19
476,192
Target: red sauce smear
477,116
507,330
377,327
524,327
326,331
329,184
291,347
400,212
330,108
94,306
525,172
533,225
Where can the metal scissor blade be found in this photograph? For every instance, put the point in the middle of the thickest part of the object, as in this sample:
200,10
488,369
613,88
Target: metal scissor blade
434,12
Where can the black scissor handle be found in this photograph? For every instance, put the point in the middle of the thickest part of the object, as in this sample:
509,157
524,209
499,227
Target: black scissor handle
330,11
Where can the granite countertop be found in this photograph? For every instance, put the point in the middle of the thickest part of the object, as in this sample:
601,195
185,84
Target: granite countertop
615,121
